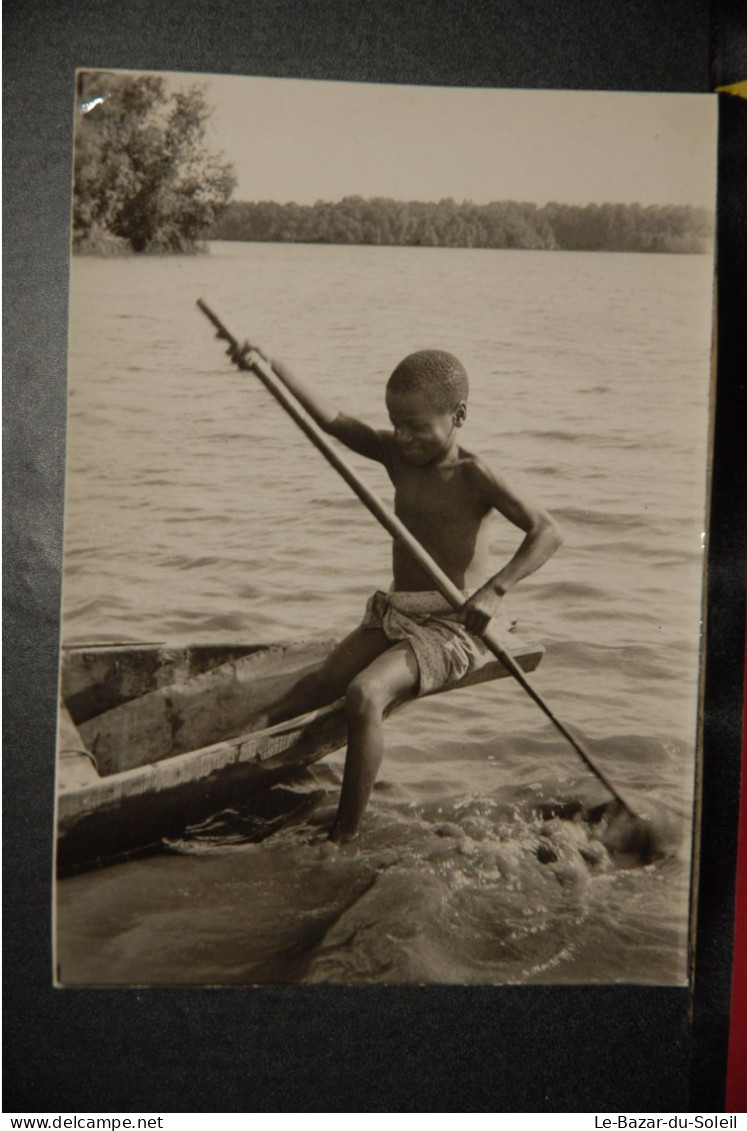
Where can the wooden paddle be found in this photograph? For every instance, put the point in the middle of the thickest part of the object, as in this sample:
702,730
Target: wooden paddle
638,838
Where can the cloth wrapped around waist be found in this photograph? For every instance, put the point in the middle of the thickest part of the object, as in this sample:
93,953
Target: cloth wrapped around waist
445,651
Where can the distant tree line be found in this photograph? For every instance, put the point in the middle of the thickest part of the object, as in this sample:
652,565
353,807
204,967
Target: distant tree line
502,224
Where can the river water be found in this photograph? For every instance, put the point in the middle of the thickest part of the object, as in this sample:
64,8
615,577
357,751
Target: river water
196,511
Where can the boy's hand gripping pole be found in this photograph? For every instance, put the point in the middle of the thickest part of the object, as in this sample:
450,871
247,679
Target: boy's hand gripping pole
247,358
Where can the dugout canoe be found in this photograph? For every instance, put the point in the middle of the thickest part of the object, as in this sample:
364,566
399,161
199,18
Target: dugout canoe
151,740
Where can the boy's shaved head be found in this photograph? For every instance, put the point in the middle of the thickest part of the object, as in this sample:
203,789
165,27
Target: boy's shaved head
441,375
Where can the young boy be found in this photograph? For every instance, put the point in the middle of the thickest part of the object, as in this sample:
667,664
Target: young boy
411,640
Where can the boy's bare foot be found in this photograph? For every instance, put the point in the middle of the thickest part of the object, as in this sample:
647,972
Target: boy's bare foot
339,835
323,816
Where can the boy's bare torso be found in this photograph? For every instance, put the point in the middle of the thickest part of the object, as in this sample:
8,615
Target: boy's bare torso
446,510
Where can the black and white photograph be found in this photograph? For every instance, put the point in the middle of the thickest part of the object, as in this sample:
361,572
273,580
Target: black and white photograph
386,499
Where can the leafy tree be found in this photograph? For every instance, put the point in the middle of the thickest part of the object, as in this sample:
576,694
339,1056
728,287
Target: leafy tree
143,179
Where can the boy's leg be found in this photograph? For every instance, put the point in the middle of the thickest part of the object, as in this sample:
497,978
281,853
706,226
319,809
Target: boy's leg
330,682
391,676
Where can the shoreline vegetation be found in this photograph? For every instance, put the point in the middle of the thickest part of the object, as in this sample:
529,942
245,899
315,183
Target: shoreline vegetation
678,229
652,229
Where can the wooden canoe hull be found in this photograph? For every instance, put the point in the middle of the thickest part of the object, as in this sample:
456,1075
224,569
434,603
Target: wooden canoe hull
124,812
100,817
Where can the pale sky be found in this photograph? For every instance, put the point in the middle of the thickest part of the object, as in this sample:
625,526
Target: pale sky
303,140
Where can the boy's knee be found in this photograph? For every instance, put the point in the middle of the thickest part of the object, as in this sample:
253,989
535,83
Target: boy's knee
364,697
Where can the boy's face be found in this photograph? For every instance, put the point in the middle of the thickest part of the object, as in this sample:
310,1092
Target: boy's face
423,434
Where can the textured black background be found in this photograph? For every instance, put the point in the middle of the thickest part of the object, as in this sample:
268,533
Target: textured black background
329,1048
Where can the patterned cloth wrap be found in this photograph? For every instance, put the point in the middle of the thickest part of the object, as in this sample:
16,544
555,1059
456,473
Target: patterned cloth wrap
444,650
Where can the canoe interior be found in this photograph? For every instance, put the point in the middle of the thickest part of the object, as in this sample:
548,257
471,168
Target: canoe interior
134,705
96,678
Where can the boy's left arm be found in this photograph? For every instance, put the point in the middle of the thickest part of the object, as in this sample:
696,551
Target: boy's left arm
541,539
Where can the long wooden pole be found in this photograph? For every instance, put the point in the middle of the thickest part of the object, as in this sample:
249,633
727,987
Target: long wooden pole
247,359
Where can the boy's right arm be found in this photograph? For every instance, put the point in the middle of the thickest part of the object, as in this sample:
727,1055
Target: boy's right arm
356,435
